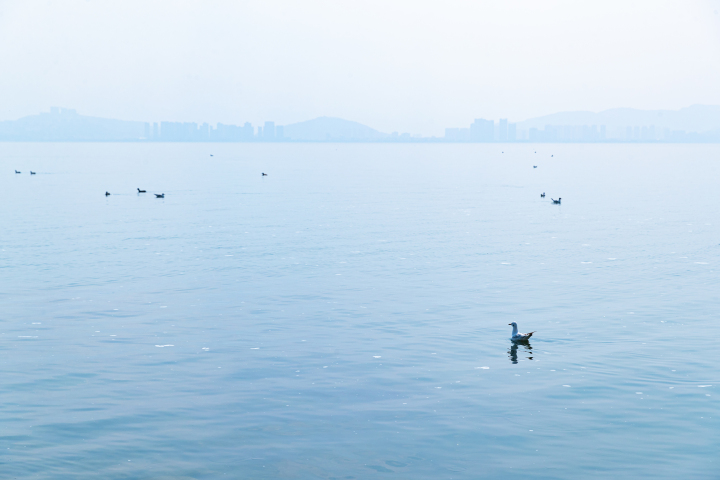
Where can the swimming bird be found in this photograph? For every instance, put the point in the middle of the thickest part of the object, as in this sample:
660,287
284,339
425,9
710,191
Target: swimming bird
17,171
534,166
32,173
552,155
212,155
159,195
519,337
264,174
556,202
107,193
141,191
542,195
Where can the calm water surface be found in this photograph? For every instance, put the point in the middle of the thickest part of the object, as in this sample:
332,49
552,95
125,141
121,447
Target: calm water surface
346,316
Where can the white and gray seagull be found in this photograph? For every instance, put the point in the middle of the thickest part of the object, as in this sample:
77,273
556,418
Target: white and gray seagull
518,337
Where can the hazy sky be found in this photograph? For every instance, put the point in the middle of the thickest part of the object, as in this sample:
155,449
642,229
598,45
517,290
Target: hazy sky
415,66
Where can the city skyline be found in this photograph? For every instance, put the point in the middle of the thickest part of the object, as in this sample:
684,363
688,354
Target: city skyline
693,124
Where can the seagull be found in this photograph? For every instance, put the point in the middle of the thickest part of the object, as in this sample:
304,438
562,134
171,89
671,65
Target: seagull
556,202
17,171
534,166
159,195
141,191
107,193
264,174
32,173
212,155
519,337
542,195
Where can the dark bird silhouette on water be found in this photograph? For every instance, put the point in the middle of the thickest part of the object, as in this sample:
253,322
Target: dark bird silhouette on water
556,202
17,171
107,193
534,166
32,173
542,195
159,195
264,174
141,191
552,155
212,155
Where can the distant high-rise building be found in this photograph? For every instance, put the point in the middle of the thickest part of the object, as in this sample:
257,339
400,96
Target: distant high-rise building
458,134
512,132
156,131
260,133
502,130
549,134
482,130
204,132
247,132
534,134
279,132
269,131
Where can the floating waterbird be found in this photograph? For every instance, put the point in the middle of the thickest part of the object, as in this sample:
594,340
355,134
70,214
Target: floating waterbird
159,195
107,193
264,174
212,155
32,173
519,337
552,155
141,191
17,171
542,195
534,166
556,202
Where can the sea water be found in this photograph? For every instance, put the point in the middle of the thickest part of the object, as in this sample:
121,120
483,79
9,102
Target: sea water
346,316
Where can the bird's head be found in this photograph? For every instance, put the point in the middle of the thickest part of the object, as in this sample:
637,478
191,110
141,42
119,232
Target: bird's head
513,324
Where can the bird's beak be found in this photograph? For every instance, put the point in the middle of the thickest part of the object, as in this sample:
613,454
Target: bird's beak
509,323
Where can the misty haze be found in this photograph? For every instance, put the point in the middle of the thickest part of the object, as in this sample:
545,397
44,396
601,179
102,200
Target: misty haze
359,240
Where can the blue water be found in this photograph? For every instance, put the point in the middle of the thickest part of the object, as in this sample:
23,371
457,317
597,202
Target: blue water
347,315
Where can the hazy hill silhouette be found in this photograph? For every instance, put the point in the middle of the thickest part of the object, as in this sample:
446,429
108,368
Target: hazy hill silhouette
330,128
62,124
696,118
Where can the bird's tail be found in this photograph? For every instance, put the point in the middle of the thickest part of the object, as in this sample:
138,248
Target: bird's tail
530,334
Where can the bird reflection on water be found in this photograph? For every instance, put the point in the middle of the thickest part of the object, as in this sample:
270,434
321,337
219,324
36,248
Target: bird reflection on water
513,352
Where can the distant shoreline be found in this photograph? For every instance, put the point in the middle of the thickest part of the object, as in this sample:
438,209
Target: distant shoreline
384,141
